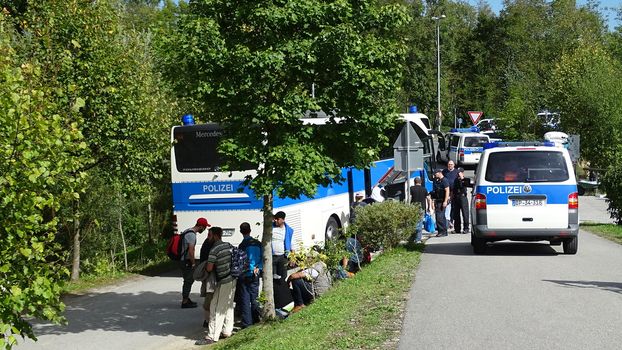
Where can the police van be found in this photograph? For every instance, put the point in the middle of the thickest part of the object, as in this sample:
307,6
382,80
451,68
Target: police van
462,146
525,191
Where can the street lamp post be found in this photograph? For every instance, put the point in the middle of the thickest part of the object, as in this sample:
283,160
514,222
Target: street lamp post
438,70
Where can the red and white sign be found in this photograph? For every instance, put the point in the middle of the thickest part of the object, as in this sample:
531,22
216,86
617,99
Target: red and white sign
475,115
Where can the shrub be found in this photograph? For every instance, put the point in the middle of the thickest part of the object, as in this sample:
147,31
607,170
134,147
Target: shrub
385,224
611,183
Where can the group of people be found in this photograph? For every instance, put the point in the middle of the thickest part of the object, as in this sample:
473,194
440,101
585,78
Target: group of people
223,292
448,200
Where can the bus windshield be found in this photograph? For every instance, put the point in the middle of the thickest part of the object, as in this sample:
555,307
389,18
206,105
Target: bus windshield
196,148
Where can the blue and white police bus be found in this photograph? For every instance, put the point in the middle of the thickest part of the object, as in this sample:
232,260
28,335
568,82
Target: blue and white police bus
201,189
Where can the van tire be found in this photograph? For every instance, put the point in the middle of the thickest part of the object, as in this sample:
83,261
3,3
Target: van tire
479,245
571,245
332,229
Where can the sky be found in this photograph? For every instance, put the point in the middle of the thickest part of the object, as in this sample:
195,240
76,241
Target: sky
497,5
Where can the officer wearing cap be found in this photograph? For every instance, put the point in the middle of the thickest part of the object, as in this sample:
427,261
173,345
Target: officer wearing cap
440,196
460,203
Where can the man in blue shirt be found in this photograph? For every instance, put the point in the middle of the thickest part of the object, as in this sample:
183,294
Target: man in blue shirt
248,283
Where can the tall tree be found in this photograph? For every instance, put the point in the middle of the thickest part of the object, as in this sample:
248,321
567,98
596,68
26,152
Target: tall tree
252,65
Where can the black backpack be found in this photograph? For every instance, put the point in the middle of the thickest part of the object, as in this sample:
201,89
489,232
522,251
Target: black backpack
239,262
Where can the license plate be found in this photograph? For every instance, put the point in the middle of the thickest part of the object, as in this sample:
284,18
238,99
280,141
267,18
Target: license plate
227,232
527,202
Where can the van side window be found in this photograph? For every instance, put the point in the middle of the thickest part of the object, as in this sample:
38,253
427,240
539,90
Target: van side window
455,140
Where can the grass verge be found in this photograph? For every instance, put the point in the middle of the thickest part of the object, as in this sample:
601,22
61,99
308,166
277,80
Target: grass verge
364,312
611,232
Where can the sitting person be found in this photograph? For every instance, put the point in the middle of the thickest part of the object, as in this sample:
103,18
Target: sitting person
342,269
308,284
353,246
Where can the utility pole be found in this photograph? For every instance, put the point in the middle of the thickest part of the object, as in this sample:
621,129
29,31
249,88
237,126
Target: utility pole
439,117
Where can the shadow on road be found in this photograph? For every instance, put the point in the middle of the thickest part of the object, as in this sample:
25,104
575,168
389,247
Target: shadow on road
143,311
497,248
615,287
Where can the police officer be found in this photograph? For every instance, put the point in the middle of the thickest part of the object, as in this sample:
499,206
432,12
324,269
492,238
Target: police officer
460,203
440,194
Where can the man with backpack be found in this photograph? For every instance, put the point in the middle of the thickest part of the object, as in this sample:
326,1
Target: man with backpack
187,261
221,307
248,282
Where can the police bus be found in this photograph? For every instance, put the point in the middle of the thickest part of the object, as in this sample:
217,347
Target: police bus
202,189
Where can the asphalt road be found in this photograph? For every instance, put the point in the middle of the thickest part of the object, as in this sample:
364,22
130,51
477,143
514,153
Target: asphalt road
523,296
518,296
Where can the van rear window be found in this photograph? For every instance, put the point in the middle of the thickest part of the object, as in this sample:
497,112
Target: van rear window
526,166
475,141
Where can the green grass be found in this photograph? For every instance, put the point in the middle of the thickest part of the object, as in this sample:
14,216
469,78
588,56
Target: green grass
364,312
609,231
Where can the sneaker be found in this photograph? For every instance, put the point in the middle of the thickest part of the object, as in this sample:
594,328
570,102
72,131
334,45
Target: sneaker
441,235
224,335
418,242
204,341
189,304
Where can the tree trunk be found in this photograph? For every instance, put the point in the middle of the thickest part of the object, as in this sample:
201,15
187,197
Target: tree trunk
122,235
150,236
75,263
266,241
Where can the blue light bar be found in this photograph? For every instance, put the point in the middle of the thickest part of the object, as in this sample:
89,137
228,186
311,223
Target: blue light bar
471,129
518,144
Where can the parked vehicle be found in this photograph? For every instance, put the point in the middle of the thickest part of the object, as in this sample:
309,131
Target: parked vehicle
462,146
525,191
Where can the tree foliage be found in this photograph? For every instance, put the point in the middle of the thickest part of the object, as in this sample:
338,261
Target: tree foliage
253,65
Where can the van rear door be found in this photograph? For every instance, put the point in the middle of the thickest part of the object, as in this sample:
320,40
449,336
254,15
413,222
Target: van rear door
526,188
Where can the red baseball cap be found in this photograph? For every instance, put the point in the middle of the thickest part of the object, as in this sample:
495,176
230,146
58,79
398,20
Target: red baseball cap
203,222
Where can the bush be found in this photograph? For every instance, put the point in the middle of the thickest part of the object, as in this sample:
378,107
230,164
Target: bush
385,224
611,183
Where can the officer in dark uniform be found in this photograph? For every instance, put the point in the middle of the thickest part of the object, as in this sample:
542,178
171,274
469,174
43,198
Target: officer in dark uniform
460,203
440,195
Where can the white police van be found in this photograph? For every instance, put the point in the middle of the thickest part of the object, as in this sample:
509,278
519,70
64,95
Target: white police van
463,146
525,191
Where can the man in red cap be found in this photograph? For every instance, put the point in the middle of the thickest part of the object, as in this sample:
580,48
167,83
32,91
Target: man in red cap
188,262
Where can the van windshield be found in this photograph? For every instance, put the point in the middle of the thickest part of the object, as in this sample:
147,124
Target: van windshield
527,166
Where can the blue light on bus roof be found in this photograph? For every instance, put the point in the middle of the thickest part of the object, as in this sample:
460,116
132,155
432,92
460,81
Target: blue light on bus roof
471,129
187,119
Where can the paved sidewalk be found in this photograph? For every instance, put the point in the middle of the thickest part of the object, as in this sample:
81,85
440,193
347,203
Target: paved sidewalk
594,209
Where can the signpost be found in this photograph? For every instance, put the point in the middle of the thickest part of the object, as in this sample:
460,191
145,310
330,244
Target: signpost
407,154
475,115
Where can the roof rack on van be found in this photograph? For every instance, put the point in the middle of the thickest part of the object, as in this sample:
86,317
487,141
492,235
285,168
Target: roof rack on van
471,129
518,144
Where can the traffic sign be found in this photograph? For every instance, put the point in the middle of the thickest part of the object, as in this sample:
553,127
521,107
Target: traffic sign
475,115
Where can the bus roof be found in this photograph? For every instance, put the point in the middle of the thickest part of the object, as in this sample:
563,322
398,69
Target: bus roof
420,119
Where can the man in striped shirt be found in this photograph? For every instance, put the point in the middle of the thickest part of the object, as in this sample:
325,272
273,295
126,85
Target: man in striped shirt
221,307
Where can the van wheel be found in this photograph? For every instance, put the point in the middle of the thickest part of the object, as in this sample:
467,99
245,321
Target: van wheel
479,245
332,229
571,245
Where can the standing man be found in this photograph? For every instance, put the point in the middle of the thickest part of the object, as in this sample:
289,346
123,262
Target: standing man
460,202
451,173
418,194
221,307
282,235
440,194
188,262
358,202
248,283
